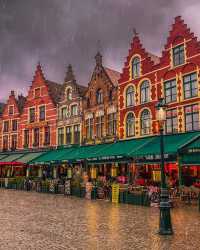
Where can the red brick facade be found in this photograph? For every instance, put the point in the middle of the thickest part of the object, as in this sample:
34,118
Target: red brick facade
161,73
38,119
9,137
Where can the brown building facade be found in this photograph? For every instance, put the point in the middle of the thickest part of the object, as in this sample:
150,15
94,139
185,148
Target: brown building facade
100,106
69,121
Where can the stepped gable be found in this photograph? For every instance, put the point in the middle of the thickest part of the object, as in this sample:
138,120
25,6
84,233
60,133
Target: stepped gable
148,59
180,33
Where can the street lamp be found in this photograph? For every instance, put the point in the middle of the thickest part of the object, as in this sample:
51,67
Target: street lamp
165,226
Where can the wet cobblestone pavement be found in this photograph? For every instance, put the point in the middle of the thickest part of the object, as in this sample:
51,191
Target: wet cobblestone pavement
45,221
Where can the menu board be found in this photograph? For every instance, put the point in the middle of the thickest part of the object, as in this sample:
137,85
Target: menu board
115,193
67,187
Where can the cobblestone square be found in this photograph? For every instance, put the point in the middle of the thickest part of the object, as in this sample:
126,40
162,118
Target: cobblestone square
45,221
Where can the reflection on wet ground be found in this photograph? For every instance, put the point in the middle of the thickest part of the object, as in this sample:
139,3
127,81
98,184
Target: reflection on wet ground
45,221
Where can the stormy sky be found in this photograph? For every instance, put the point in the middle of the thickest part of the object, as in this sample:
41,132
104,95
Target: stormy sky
59,32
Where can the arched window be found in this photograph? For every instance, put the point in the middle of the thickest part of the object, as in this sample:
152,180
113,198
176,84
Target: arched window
130,96
99,96
135,67
69,94
130,125
144,91
145,122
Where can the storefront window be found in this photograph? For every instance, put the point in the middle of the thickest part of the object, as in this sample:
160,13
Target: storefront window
26,138
5,126
89,128
14,125
60,136
68,135
32,115
192,117
190,86
178,55
76,134
170,91
99,126
36,137
145,122
47,135
135,67
14,142
144,91
130,96
171,121
112,124
42,113
130,125
5,142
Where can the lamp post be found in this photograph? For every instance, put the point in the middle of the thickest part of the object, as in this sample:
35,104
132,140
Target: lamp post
165,226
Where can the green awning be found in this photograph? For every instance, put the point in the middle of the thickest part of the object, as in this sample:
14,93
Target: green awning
52,156
190,159
2,156
120,149
28,157
13,157
172,143
127,149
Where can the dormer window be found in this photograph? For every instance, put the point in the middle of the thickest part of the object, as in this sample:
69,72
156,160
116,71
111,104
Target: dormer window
99,96
69,94
11,110
37,92
178,55
135,67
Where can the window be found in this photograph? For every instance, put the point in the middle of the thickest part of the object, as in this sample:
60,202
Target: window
192,117
76,134
14,142
69,94
14,125
130,96
112,124
144,92
68,135
89,128
170,91
36,137
26,138
11,110
60,136
135,67
47,135
178,55
63,114
5,126
171,121
42,113
74,110
130,125
145,122
32,115
5,143
99,96
190,85
37,92
99,126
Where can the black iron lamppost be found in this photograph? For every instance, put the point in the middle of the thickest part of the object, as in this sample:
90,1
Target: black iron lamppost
165,226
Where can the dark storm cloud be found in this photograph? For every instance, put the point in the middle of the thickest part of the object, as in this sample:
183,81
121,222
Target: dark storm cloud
58,32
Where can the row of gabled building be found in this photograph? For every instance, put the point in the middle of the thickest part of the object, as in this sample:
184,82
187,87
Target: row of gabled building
112,106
